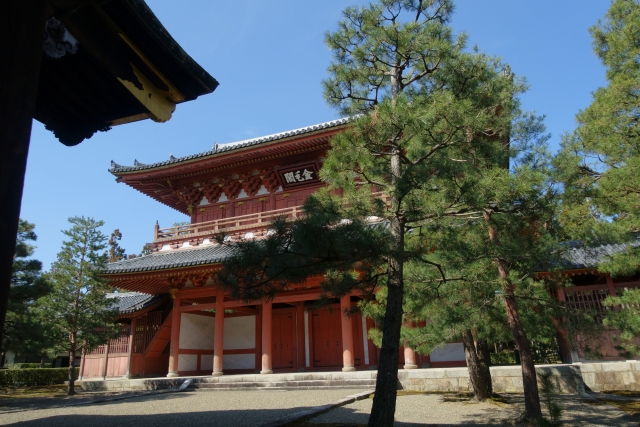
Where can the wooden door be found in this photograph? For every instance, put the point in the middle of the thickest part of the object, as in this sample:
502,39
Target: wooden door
327,337
205,214
283,339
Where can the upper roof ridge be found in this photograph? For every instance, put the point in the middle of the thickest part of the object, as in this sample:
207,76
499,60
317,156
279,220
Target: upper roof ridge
221,148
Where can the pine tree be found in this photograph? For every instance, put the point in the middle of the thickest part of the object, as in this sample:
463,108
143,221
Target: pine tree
77,306
599,161
116,253
428,119
625,317
27,285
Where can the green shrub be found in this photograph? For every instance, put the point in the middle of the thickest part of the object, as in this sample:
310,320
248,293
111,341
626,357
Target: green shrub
549,397
31,377
23,366
503,358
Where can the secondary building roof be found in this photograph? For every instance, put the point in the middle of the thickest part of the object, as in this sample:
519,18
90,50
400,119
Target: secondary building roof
579,257
130,302
208,254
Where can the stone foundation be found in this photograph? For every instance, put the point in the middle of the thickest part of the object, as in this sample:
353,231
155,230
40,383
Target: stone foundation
506,379
570,379
612,376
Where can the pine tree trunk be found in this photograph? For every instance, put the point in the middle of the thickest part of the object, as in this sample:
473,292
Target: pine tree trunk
72,372
42,359
484,361
529,379
384,400
481,390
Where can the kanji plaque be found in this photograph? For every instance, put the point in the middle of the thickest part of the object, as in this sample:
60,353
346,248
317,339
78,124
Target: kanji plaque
295,176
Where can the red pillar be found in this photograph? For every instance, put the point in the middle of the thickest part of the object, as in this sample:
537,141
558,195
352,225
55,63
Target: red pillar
175,337
563,337
409,354
300,330
347,334
258,338
218,335
267,312
132,336
612,290
409,358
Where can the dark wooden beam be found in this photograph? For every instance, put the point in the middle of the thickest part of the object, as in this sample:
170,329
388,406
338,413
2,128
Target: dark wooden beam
22,25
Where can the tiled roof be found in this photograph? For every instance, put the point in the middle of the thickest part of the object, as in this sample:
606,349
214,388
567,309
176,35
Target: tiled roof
223,148
589,257
130,302
171,259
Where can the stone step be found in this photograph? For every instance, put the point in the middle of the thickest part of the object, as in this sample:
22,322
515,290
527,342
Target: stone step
223,388
272,385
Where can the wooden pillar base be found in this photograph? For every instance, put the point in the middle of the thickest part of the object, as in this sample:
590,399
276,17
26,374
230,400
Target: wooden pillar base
267,312
172,375
346,320
218,337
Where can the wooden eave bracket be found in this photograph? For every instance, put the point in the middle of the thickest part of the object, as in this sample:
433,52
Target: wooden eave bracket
97,33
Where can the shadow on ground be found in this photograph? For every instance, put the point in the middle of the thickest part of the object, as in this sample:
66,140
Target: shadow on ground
577,412
126,413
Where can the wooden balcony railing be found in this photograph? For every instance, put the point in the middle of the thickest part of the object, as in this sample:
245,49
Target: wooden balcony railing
237,223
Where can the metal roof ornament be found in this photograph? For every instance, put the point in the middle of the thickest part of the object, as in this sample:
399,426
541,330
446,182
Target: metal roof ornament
58,41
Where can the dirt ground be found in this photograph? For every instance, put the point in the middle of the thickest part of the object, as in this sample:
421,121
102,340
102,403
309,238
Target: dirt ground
46,406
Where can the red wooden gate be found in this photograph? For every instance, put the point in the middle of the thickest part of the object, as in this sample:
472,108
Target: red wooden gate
327,337
284,339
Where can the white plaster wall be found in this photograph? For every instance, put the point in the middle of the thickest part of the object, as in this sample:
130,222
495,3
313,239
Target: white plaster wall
449,353
365,339
206,362
188,362
196,332
239,333
238,361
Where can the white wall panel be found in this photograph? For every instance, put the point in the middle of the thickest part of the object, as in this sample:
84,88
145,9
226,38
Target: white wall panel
239,332
239,361
206,362
196,332
188,362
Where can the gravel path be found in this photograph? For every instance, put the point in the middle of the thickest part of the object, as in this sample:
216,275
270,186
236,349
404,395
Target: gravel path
434,410
255,408
201,408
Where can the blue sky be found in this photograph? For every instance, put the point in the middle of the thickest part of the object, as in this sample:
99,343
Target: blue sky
269,57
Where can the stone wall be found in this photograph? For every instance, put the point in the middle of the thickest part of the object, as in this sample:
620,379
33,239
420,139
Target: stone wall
571,379
611,376
506,379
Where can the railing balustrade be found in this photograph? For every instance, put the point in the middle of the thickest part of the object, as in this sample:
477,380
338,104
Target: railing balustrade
236,223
